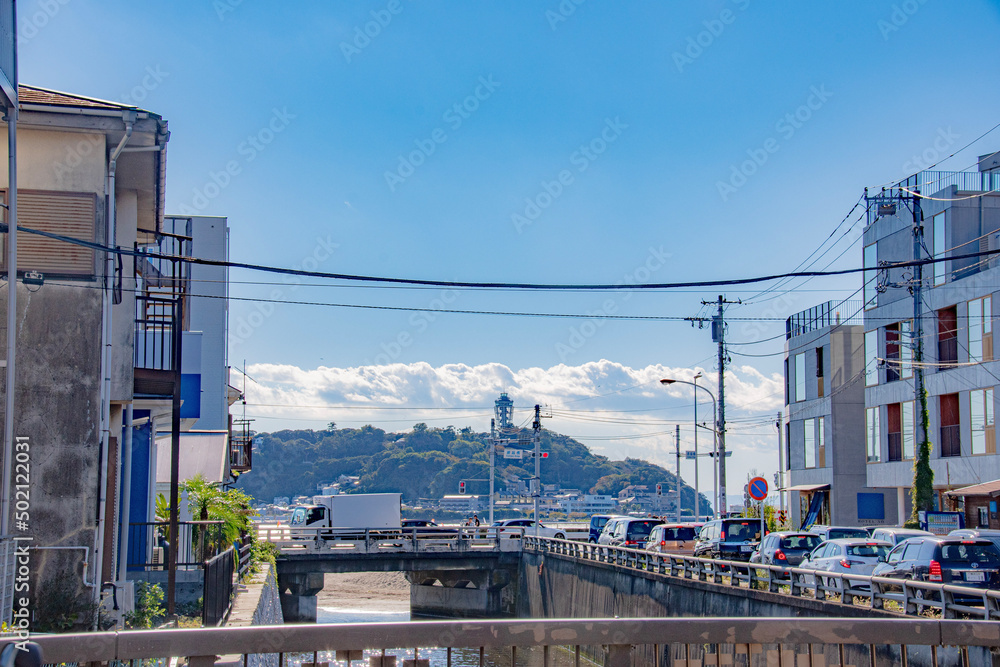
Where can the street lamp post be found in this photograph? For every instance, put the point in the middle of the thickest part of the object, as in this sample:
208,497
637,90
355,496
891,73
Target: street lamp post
715,435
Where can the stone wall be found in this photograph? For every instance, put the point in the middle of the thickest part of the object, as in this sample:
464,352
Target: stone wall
256,603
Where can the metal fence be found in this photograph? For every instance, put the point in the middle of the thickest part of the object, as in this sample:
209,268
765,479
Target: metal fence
613,642
218,590
148,544
824,315
366,541
907,597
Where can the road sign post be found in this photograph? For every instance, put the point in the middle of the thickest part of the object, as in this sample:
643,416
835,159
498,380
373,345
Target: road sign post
757,488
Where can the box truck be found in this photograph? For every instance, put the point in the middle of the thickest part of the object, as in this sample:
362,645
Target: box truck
346,512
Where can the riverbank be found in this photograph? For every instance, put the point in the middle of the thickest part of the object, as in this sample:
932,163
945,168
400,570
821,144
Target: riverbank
382,591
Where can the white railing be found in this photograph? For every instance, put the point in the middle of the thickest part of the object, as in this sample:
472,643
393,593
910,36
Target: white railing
612,642
368,541
912,598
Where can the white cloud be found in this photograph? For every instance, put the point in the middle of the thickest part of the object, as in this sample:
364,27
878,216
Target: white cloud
616,410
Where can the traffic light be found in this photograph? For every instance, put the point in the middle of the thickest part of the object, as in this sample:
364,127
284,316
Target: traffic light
461,487
543,455
659,489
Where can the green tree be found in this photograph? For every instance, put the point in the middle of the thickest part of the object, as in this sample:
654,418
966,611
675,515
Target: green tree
210,503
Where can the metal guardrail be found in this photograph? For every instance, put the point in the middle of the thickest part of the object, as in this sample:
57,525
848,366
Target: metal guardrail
911,598
617,642
369,541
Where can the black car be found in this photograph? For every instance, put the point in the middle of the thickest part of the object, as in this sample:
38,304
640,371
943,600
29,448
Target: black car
786,548
425,528
948,560
728,539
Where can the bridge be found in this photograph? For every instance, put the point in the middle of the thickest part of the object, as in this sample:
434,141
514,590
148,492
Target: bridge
472,572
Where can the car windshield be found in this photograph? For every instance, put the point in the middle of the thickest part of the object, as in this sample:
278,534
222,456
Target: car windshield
808,542
298,516
841,533
679,533
641,528
742,531
867,550
983,554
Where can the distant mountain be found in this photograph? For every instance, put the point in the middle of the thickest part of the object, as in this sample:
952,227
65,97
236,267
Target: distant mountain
430,462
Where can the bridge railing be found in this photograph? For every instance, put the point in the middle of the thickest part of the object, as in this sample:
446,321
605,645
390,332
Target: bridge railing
613,642
367,541
912,598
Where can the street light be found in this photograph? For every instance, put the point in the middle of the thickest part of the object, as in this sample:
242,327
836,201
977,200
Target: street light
715,442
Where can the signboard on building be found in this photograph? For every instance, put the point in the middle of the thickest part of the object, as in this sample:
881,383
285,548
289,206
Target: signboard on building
941,523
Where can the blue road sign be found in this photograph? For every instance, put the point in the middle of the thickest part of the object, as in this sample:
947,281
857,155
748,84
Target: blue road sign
758,488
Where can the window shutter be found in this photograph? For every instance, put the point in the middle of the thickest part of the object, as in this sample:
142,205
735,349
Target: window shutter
66,213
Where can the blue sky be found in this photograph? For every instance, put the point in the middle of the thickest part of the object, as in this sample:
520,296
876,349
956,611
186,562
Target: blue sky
641,109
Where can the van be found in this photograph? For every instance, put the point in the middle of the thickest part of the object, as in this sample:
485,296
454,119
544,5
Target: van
597,523
728,539
631,532
674,538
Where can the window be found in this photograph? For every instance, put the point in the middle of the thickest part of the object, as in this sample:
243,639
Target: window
982,425
947,337
981,329
871,357
820,443
871,277
940,247
809,440
898,353
984,521
951,442
895,432
873,435
788,445
800,377
788,384
820,389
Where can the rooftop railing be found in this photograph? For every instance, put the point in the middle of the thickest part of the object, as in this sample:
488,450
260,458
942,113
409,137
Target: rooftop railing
824,315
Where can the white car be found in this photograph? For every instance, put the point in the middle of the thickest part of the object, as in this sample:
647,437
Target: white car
512,528
847,556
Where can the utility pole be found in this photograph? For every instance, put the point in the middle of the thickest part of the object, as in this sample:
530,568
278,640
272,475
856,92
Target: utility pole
677,450
536,426
719,336
781,466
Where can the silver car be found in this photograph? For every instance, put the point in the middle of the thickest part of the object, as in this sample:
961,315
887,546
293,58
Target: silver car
847,556
894,535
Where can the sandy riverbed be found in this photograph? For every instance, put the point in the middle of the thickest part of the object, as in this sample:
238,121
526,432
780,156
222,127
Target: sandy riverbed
378,590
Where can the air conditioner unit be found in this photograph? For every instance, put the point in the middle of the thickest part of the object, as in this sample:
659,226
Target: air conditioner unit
157,559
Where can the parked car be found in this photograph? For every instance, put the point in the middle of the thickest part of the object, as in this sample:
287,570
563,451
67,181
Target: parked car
944,559
839,532
847,556
514,528
597,523
609,529
673,538
895,534
785,548
982,533
630,532
728,539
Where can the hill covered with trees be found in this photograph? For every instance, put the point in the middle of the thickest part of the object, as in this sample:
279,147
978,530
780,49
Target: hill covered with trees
430,462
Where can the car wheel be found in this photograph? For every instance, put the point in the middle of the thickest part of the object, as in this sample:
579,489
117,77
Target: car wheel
560,536
920,594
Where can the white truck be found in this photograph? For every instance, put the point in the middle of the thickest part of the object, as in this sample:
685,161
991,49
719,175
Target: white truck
347,515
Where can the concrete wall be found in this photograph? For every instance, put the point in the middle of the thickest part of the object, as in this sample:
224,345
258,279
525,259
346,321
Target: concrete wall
256,604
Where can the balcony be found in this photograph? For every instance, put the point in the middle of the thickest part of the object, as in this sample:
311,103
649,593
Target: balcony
824,315
240,446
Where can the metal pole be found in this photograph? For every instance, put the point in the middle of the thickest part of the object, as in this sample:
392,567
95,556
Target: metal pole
918,324
493,453
677,449
175,452
11,317
537,427
697,493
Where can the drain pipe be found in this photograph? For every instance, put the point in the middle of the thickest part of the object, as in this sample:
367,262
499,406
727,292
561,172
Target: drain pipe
129,118
126,497
86,553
